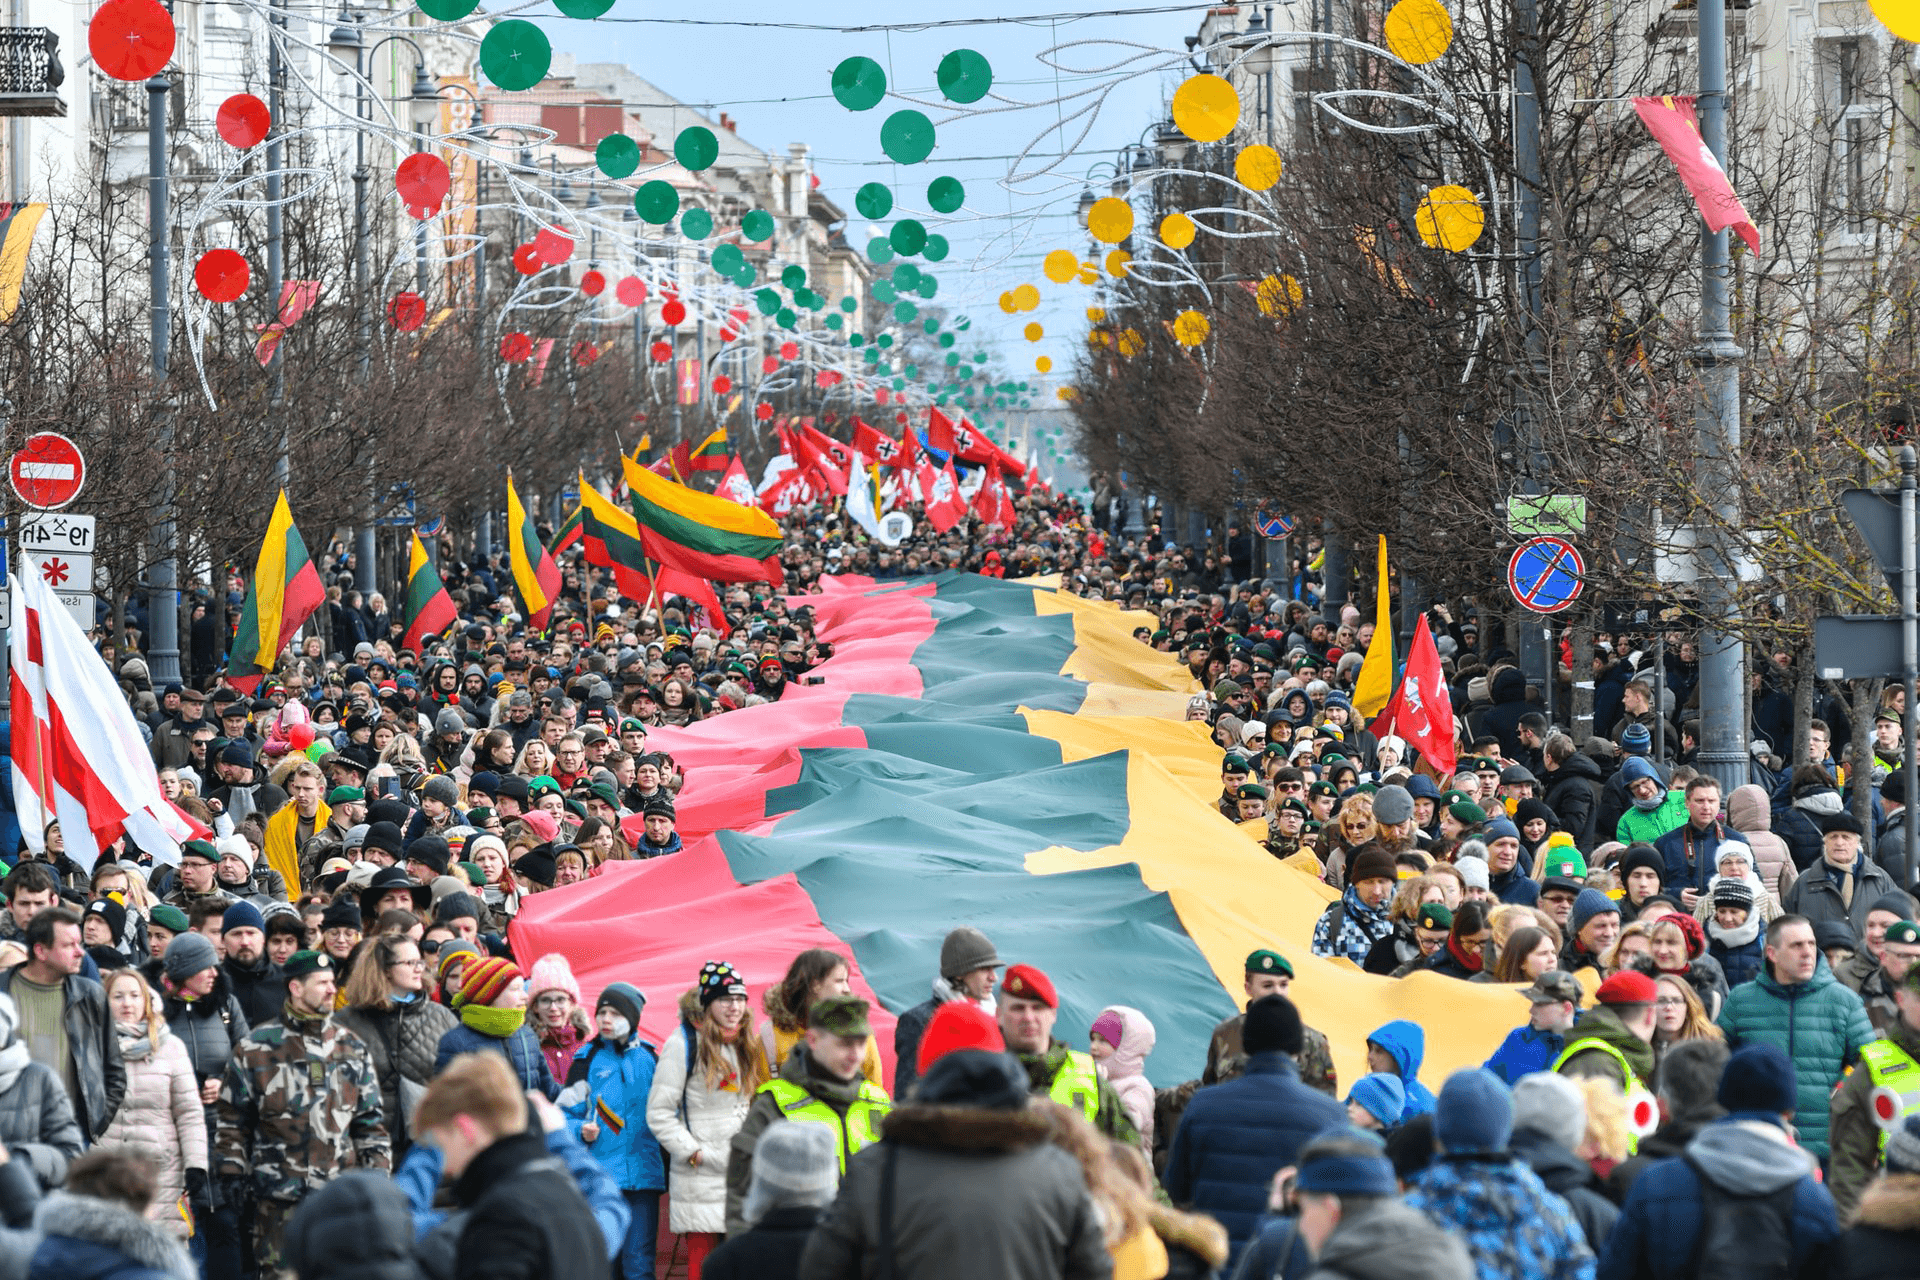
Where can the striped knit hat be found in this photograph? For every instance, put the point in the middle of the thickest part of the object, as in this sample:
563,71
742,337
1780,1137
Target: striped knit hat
481,982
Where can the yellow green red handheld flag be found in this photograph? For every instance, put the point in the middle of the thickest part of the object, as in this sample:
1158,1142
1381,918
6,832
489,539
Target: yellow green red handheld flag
283,594
534,572
429,609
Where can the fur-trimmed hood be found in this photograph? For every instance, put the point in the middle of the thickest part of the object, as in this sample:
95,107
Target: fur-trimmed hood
1196,1233
978,1129
1892,1204
97,1222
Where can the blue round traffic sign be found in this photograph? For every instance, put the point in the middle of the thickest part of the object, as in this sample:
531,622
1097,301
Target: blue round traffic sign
1273,527
1545,574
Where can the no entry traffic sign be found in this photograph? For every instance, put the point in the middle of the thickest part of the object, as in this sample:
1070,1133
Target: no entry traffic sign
1545,574
47,471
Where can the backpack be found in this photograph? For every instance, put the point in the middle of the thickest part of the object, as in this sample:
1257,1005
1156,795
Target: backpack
1742,1237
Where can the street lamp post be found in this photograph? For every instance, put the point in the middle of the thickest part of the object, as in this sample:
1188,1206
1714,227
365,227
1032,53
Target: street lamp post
163,602
344,42
276,253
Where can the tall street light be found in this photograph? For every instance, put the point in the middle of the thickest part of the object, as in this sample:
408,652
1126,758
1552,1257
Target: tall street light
163,602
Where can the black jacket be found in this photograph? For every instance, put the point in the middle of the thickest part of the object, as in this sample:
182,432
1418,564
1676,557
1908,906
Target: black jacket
96,1053
907,1031
1573,793
526,1218
769,1250
1571,1178
1509,690
1884,1241
357,1227
261,990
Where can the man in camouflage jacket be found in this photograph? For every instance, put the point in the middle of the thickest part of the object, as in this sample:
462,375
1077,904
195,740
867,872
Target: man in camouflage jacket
300,1104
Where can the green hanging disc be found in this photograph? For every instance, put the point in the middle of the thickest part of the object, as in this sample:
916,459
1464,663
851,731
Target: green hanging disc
946,340
856,340
757,225
932,325
515,55
927,287
886,339
907,236
696,148
583,8
936,250
873,200
617,155
945,194
727,258
793,277
878,250
859,84
953,358
905,311
907,137
448,10
835,321
883,291
964,76
696,224
848,305
746,276
906,276
767,300
784,318
655,201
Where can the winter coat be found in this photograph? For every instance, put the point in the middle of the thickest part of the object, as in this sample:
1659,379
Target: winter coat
1406,1044
1350,927
525,1218
36,1118
1235,1136
1573,793
1602,1023
906,1045
1853,1155
1818,1023
1816,894
1126,1070
1751,813
1514,888
1390,1242
1524,1052
521,1049
976,1192
403,1040
260,989
161,1121
1572,1179
1399,948
1739,952
769,1250
208,1028
1659,1226
95,1046
1514,1228
1861,974
1639,825
82,1238
1509,690
1802,824
1692,856
559,1044
606,1083
688,1115
1884,1241
359,1226
837,1095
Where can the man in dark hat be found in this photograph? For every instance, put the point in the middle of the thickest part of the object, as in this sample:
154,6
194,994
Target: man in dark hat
661,836
819,1083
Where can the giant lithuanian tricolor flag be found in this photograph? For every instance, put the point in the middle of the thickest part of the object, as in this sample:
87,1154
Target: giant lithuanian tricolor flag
283,594
701,534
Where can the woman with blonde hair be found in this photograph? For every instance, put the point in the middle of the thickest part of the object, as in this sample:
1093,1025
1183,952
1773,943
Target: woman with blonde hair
709,1070
1635,941
1351,827
161,1119
536,759
1145,1240
1678,1015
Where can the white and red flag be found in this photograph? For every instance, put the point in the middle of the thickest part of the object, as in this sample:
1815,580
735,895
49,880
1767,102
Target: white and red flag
77,754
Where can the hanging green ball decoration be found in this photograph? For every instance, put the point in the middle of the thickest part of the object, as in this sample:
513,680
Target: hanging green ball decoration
727,258
448,10
515,55
927,287
946,340
856,340
586,9
883,291
886,339
848,305
617,155
784,318
859,84
936,250
964,76
873,200
905,311
946,195
696,224
696,148
793,277
907,137
953,358
835,321
907,236
932,325
879,250
746,276
757,225
655,201
767,300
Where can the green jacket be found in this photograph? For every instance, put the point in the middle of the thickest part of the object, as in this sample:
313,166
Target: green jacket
1603,1024
1644,826
1111,1118
1854,1136
1818,1023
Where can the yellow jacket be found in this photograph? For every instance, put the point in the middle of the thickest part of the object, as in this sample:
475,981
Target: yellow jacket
282,853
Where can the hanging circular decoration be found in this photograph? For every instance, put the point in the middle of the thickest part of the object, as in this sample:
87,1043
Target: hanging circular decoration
131,39
767,300
873,200
515,55
1257,167
1119,263
763,411
221,275
593,284
1034,332
696,224
526,259
879,249
1190,328
243,121
1205,108
789,351
722,385
553,247
945,194
883,291
904,312
1007,303
661,352
859,84
586,9
656,202
1026,298
937,248
907,137
1110,220
516,348
827,378
745,276
1417,31
617,155
793,277
423,182
673,312
757,226
448,10
769,364
964,76
696,148
1278,295
407,311
1176,230
631,291
727,258
927,287
1451,218
1060,266
1130,343
1044,364
906,276
907,236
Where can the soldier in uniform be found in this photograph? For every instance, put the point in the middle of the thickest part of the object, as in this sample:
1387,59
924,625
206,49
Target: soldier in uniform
1268,974
1027,1009
1286,827
300,1104
194,879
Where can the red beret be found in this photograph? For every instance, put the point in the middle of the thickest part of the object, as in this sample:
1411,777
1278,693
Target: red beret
1028,983
1627,987
957,1024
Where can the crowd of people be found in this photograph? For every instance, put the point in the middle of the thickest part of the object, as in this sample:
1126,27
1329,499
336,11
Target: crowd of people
308,1047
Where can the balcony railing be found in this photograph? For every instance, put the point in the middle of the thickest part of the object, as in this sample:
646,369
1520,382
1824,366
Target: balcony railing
30,72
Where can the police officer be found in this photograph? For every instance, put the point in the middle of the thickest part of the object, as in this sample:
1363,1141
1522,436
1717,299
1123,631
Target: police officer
819,1083
1857,1135
1027,1009
300,1104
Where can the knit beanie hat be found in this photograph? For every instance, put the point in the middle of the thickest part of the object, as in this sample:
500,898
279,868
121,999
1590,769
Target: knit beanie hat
1372,863
1552,1105
551,972
1272,1023
1589,904
1474,1113
623,998
1758,1078
1895,902
964,950
717,979
1733,893
1109,1027
115,917
1639,856
1475,872
794,1165
442,788
1382,1095
958,1024
188,954
1501,829
482,982
240,915
451,950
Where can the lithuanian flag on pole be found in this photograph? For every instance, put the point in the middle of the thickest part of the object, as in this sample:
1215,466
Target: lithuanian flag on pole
534,572
701,534
283,594
569,531
612,540
710,454
429,609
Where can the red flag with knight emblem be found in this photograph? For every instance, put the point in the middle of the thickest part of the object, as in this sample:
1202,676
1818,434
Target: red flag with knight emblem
1420,710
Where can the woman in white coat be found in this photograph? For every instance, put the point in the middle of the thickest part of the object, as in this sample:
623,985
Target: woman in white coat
709,1070
160,1119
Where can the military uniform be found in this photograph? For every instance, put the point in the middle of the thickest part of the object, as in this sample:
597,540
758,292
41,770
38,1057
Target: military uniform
1068,1077
299,1105
1226,1059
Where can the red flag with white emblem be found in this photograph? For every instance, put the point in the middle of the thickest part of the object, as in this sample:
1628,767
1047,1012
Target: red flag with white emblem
1420,710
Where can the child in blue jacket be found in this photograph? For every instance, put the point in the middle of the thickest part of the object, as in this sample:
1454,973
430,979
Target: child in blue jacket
606,1106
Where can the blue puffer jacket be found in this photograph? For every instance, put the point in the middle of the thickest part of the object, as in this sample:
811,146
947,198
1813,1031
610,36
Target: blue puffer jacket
1513,1226
608,1085
1819,1024
1740,960
1659,1227
1524,1052
1406,1043
1235,1136
522,1049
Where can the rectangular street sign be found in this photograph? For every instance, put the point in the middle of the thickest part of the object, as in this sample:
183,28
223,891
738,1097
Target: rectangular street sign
61,571
57,531
1564,514
1876,513
79,607
1859,647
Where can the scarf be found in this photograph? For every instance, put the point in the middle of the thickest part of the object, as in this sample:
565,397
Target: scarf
13,1060
135,1043
1739,936
489,1021
300,1022
945,992
1470,963
1650,803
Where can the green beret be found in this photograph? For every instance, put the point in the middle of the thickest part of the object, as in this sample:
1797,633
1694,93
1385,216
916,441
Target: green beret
1251,791
1467,813
1453,796
1264,961
1235,764
200,849
841,1016
302,963
540,785
1435,915
168,916
1323,788
345,795
1485,764
1904,931
1293,804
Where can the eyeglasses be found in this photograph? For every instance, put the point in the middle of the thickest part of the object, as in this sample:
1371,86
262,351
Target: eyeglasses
1670,1002
415,963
